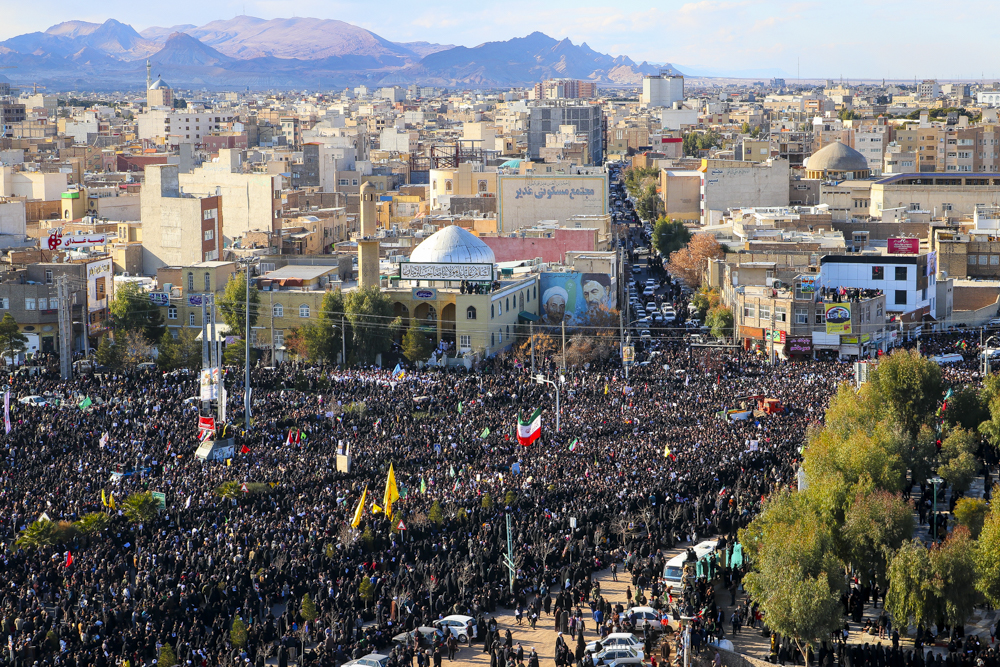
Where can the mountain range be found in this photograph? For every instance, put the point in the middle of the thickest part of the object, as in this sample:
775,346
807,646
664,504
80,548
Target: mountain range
249,52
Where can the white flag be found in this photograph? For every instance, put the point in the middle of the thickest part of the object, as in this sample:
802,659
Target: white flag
188,503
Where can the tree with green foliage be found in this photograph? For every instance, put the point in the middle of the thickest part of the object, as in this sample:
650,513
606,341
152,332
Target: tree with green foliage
92,523
648,205
720,321
695,142
907,385
366,590
875,526
323,337
238,633
636,178
416,345
308,610
486,502
373,322
987,563
704,300
38,534
954,566
12,341
972,513
436,515
235,354
966,408
141,507
670,236
510,499
108,354
794,574
232,304
167,657
958,459
911,594
166,352
132,310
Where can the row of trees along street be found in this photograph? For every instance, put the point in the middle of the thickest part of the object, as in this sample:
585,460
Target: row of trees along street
855,517
136,327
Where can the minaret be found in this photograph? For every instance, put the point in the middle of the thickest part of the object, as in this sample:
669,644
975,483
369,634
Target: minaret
368,245
149,76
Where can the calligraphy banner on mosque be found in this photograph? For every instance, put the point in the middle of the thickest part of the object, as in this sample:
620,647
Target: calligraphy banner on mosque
439,271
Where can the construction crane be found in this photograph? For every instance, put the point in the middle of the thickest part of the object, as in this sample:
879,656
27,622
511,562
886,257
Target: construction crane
35,87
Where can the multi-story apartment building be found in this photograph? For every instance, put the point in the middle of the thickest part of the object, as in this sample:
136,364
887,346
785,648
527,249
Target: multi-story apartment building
180,126
554,89
586,119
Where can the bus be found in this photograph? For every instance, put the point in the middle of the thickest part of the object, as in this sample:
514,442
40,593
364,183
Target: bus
673,571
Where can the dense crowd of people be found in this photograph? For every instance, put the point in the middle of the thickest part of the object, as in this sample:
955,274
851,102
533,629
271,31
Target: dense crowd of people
639,466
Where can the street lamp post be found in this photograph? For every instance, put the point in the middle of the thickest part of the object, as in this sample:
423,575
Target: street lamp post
247,261
935,481
986,356
541,379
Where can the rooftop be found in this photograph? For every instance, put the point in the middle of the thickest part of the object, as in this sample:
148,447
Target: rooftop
299,272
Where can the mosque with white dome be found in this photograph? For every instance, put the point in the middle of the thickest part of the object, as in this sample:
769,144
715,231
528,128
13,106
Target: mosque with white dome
460,300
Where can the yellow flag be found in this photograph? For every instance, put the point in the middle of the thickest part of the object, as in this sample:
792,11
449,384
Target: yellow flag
605,390
376,509
666,451
391,492
104,498
111,503
361,508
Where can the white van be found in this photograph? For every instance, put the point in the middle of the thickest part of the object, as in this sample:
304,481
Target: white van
951,358
673,571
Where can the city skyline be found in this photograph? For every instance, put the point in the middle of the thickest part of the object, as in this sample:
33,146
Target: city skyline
752,38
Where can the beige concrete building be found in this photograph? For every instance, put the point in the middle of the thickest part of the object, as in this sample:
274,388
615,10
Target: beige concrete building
180,229
466,180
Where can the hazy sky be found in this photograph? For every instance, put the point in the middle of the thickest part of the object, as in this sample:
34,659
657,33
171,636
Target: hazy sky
853,39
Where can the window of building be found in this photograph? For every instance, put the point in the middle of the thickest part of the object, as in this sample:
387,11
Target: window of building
499,307
175,334
470,313
279,338
208,282
491,311
802,316
304,310
507,305
501,337
43,303
972,259
447,188
901,297
748,310
765,312
209,234
819,316
190,281
172,312
253,338
29,304
278,310
878,273
48,276
901,273
190,319
465,342
5,303
482,186
492,341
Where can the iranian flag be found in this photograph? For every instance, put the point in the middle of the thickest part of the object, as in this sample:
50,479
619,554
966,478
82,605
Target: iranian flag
529,429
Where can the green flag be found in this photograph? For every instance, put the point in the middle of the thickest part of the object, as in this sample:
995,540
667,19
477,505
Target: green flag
423,485
486,432
572,445
452,470
86,403
460,407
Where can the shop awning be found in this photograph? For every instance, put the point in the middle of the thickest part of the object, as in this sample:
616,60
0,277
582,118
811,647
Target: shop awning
525,315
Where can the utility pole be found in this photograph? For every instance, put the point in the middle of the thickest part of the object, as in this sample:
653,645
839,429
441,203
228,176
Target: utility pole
531,333
772,331
564,345
271,304
65,329
343,342
246,348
